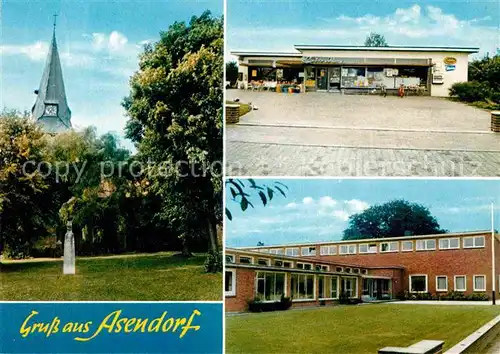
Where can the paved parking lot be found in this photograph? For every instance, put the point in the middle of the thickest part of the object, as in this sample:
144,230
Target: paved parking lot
317,134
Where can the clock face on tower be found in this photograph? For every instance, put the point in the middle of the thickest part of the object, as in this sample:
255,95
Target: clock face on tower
51,110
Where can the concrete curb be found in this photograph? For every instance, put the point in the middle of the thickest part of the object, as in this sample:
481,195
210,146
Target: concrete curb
479,340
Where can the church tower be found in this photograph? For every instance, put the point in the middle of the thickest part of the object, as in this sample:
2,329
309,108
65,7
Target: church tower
51,109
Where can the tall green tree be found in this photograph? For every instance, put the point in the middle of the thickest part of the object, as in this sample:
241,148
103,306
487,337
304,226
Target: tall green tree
392,219
231,71
25,204
375,40
175,119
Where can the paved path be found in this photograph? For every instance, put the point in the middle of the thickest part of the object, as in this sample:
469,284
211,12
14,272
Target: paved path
269,159
319,134
324,109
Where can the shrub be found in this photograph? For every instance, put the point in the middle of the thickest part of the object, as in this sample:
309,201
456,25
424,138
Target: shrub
254,305
471,91
285,303
47,247
213,263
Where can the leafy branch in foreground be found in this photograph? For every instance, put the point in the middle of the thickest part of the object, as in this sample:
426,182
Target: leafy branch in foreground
240,191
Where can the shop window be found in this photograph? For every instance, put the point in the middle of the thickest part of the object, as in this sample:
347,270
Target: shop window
354,77
418,283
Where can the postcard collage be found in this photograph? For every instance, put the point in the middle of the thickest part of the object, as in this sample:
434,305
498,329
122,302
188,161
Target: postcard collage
250,176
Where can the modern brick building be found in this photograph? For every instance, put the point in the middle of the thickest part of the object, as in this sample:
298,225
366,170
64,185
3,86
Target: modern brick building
368,270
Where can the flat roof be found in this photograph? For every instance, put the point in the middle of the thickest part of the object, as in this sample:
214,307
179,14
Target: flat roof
391,48
265,54
367,240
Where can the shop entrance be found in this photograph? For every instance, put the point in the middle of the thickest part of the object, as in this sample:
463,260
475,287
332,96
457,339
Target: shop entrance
328,79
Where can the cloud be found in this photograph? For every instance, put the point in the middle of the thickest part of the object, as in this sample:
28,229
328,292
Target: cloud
291,205
413,25
327,201
341,214
308,200
35,52
356,206
113,42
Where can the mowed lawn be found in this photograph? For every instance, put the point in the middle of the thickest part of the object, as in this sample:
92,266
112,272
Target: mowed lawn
161,276
352,329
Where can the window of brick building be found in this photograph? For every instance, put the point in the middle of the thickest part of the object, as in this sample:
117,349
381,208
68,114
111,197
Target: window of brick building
418,283
441,283
406,246
230,282
473,242
479,283
460,283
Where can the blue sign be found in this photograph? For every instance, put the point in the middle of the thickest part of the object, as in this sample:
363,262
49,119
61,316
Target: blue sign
450,67
110,327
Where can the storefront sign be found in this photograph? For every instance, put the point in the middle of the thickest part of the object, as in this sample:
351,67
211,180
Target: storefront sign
450,67
450,61
321,60
254,73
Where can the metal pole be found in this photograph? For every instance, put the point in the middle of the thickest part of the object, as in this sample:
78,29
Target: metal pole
493,277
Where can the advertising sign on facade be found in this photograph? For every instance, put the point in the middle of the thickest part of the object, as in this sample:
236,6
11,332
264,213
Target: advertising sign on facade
450,67
450,61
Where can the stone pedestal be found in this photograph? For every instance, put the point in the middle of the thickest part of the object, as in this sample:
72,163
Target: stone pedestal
232,113
69,250
495,121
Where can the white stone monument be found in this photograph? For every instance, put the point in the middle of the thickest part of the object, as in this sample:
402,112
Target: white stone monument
69,250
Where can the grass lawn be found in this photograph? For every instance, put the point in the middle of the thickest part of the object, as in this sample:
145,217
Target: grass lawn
352,329
160,276
244,108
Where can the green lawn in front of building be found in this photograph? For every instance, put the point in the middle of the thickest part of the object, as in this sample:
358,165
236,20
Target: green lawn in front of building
352,329
162,276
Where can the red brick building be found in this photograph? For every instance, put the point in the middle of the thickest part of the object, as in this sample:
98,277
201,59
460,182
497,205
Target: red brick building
368,270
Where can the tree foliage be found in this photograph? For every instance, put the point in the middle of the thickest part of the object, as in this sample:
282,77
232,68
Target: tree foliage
375,40
231,71
175,118
392,219
240,192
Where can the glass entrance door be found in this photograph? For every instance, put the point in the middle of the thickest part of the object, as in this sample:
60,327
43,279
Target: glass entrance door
334,78
322,79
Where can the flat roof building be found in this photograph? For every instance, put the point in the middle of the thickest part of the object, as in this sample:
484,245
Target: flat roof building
358,69
366,270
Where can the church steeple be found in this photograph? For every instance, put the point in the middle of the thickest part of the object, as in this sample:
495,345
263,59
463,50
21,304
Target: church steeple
51,107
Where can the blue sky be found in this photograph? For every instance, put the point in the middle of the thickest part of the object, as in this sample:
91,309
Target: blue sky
99,43
277,25
318,209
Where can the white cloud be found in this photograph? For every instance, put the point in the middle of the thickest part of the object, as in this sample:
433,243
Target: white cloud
356,206
327,201
113,42
291,205
307,200
35,52
341,214
413,25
